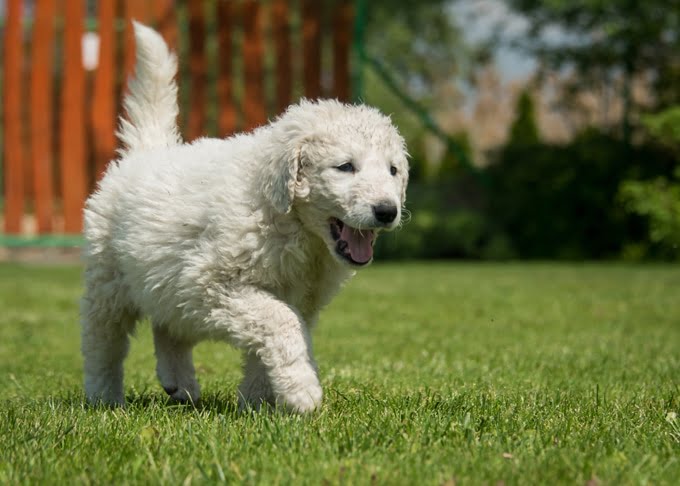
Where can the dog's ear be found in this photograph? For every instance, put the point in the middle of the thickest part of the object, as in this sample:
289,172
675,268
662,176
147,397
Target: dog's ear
281,178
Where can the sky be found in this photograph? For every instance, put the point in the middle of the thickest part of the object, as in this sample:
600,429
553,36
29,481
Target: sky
481,19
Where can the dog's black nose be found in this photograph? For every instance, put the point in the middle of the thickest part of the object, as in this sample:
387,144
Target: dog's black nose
385,213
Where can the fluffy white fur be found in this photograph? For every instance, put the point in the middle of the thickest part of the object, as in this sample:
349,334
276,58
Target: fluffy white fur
229,239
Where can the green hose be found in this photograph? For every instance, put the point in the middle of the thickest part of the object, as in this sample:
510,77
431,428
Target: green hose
42,241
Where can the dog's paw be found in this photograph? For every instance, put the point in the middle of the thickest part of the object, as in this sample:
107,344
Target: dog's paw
297,388
189,392
113,401
104,390
304,400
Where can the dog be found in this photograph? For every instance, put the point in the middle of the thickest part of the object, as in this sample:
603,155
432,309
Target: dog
243,239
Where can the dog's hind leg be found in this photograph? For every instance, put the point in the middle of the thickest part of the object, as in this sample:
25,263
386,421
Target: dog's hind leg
175,366
107,320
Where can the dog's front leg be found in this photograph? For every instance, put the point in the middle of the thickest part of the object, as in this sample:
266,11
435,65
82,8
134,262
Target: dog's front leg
255,389
274,334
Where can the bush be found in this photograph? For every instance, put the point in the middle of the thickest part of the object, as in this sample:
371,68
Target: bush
658,200
448,221
541,200
559,201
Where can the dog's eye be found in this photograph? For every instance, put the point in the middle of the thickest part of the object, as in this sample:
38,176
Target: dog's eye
393,170
346,167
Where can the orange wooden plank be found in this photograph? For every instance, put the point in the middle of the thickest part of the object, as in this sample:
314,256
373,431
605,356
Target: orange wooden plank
166,20
311,47
343,17
198,68
103,108
41,112
13,100
282,47
253,65
225,97
73,170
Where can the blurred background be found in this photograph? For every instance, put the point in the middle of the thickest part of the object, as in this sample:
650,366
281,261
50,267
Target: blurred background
538,129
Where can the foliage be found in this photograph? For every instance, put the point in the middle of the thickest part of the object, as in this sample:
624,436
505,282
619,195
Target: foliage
659,199
536,200
482,373
414,57
542,200
454,161
559,201
447,220
601,39
524,130
620,34
666,126
419,41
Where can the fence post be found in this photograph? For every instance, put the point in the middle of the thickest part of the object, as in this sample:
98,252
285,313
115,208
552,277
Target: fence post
13,98
284,65
198,68
311,47
73,176
103,114
225,96
41,111
342,39
253,53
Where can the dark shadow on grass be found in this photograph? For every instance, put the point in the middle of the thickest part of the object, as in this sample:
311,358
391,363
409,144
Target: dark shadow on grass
214,403
210,403
222,403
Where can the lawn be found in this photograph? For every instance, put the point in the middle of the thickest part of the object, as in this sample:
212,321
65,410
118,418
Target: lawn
433,374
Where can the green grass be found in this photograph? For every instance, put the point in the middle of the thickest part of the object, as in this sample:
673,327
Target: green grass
476,373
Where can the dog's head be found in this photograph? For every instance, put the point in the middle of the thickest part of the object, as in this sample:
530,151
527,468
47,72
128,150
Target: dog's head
343,170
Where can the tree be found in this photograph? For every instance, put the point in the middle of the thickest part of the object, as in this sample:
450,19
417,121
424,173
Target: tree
524,130
610,38
415,56
418,41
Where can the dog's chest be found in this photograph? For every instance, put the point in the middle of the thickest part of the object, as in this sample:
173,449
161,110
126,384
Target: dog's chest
314,285
311,297
300,269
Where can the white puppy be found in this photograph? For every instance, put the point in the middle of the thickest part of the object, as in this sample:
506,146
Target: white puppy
242,240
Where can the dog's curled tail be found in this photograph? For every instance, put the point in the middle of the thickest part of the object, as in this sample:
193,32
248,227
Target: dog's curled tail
151,100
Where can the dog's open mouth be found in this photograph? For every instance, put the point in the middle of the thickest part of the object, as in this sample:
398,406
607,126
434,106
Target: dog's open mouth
354,245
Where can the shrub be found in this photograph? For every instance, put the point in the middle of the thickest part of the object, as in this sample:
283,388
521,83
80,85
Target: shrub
559,201
658,200
448,221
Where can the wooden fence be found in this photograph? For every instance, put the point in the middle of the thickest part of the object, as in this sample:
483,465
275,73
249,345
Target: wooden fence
241,62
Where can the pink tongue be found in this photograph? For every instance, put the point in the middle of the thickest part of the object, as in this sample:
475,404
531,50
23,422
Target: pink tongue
359,243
